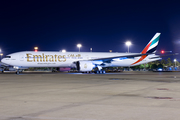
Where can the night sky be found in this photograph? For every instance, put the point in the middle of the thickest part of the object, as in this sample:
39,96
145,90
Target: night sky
99,24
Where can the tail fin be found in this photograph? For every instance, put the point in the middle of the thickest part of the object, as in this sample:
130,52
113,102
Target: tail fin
152,45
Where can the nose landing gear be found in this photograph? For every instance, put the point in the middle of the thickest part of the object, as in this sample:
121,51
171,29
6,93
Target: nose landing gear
17,72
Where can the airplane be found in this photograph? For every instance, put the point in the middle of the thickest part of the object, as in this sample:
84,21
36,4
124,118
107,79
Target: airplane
83,61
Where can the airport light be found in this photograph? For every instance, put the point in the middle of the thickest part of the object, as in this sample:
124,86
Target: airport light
91,49
175,62
79,46
63,51
162,51
35,49
128,43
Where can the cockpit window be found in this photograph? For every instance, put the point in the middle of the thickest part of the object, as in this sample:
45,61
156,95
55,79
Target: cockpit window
8,57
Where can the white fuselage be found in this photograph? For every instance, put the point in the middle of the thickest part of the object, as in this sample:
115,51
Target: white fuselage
60,59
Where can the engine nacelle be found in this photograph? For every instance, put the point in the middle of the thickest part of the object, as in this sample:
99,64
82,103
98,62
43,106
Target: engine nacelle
85,65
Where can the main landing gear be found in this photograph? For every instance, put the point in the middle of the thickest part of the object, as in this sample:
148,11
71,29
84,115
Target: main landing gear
18,72
100,72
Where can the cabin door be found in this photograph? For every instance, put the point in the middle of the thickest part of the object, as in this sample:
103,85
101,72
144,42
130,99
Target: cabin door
21,57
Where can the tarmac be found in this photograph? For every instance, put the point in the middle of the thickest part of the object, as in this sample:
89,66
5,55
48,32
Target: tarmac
75,96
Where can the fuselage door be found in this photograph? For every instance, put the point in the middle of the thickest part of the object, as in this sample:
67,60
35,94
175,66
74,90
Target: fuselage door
87,57
21,57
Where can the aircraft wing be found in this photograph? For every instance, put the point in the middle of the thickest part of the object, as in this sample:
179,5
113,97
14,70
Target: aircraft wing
123,56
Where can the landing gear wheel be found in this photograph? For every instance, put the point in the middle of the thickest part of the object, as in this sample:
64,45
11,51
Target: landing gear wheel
17,72
97,72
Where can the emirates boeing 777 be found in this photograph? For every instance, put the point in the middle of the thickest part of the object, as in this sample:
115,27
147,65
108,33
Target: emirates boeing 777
83,61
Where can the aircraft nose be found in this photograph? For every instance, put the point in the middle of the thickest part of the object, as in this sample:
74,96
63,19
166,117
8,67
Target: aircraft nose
3,60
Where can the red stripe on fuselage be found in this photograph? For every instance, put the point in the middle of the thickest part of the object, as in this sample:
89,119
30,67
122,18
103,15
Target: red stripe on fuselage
140,59
143,52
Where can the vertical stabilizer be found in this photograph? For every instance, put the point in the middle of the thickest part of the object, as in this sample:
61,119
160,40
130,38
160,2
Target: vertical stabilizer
150,48
152,45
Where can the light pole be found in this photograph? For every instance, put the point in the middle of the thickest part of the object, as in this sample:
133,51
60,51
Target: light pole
128,43
175,63
79,46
